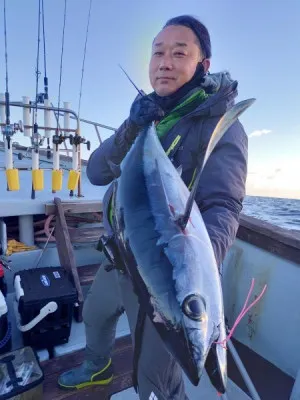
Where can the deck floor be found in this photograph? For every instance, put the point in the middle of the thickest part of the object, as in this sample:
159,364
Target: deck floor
204,391
122,359
71,354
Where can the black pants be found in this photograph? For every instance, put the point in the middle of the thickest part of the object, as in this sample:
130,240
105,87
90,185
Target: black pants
159,376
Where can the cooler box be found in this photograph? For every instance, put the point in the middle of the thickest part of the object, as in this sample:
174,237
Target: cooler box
21,376
45,304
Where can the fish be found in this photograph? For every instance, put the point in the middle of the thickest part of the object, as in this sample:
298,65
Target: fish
168,254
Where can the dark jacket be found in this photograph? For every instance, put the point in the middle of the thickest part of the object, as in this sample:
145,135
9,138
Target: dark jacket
222,184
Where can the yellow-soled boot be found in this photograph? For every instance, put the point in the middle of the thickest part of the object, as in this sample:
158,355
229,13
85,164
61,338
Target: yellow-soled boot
86,374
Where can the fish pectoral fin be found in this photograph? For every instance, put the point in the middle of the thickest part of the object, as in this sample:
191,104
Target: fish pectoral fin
216,365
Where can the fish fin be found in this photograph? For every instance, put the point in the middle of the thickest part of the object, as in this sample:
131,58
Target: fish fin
216,365
223,125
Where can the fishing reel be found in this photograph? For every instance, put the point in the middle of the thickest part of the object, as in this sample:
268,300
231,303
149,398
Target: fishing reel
77,139
10,129
8,132
107,245
40,98
37,140
58,139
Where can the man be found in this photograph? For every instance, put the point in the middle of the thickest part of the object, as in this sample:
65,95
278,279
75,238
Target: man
187,102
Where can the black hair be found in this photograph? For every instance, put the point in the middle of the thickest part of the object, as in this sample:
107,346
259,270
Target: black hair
197,27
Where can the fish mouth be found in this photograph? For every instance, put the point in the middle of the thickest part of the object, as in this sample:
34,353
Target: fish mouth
190,356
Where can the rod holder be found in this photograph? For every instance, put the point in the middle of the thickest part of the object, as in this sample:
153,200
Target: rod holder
13,181
57,179
73,179
38,179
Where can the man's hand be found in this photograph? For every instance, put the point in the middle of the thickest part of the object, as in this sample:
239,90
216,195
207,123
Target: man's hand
143,111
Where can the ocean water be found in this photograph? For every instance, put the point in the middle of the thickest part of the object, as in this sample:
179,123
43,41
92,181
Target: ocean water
280,212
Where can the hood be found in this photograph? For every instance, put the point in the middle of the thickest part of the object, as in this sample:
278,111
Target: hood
222,90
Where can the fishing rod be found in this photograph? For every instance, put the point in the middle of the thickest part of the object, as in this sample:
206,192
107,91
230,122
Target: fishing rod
36,139
58,138
47,114
141,92
74,177
12,174
43,98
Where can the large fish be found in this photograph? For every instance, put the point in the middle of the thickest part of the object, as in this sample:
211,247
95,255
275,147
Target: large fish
168,253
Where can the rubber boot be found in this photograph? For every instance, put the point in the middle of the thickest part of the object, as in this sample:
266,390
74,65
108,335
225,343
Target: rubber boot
86,374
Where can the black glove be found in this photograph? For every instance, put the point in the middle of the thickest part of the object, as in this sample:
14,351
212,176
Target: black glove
144,110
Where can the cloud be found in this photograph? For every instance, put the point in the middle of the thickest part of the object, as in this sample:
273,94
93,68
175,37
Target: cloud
276,172
260,132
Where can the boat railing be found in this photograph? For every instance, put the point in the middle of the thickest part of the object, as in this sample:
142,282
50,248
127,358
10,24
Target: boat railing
56,135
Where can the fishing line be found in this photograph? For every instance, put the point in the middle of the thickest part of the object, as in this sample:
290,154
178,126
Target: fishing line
80,90
46,95
61,61
243,312
84,54
35,139
44,45
37,72
7,113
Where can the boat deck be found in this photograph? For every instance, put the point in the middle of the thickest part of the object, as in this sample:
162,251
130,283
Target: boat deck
68,355
270,382
121,387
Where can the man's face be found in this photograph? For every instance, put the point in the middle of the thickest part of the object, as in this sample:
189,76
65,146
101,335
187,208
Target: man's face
174,59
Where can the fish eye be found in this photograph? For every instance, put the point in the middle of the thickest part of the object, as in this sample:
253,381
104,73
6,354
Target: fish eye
193,307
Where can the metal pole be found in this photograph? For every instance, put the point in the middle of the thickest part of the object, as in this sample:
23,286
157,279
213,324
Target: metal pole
26,231
243,371
3,236
44,249
40,107
26,117
98,134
